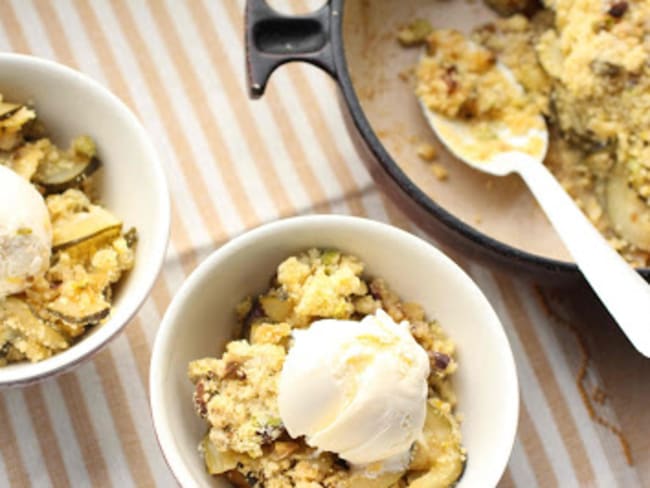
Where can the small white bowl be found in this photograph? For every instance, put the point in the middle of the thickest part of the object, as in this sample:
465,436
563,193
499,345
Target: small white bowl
201,319
132,185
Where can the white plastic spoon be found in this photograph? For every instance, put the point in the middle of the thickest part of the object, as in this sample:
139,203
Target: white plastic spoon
620,288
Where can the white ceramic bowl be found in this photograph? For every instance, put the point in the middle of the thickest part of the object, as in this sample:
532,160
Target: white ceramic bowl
200,320
132,185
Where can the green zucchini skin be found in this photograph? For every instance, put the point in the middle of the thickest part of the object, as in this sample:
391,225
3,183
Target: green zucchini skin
85,320
10,112
74,181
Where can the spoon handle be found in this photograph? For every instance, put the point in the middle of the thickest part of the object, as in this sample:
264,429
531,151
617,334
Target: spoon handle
622,290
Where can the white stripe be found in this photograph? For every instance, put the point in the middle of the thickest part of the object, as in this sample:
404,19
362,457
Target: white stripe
4,474
589,436
294,110
135,393
102,422
212,83
26,438
531,391
236,147
68,446
520,468
374,206
150,320
182,194
335,123
340,206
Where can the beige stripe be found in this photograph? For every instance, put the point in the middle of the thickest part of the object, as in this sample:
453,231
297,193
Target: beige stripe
45,435
534,448
506,480
539,361
306,97
84,431
54,32
140,348
235,91
16,471
157,89
186,253
121,413
161,296
395,215
236,98
334,157
11,26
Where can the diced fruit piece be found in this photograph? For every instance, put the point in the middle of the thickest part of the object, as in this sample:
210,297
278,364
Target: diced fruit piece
330,257
284,449
275,308
216,461
237,479
415,33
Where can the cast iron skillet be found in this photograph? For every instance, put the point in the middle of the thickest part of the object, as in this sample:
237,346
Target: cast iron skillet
273,39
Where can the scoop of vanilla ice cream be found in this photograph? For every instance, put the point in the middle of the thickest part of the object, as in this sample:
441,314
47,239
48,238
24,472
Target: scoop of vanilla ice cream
25,233
357,389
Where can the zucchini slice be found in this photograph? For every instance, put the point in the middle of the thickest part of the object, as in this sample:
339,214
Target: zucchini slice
8,109
97,224
58,176
29,325
90,307
439,453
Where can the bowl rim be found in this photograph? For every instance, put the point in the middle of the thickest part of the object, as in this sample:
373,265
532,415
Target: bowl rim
408,186
76,354
165,436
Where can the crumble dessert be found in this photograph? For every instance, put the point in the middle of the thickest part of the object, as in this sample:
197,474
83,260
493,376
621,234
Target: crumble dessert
461,80
251,395
61,252
584,66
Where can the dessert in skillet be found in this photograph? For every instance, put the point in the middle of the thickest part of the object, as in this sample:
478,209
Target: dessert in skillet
462,80
60,251
337,383
584,66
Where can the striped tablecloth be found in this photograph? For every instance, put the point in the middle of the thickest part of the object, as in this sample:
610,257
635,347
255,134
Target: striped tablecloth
234,164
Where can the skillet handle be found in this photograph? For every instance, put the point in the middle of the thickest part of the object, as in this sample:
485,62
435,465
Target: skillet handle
273,39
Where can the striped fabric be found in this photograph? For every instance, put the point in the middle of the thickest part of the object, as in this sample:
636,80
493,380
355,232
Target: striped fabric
234,164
